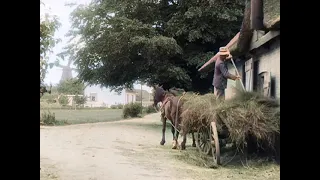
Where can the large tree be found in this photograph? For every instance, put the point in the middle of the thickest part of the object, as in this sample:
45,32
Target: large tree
48,26
156,42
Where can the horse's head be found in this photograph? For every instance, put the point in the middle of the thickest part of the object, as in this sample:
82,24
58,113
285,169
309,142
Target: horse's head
158,95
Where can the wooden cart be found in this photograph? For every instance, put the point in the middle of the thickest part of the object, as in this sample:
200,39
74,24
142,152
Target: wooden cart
207,141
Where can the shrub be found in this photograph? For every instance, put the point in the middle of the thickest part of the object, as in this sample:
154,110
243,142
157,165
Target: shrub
132,110
149,109
48,118
119,106
63,100
80,100
113,107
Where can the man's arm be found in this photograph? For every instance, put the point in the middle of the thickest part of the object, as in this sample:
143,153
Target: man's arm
225,72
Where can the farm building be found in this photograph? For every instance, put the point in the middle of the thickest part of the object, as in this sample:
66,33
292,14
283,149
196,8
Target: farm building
134,95
103,97
97,96
71,101
130,96
256,49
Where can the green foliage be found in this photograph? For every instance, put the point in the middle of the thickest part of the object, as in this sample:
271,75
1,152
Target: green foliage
113,107
80,100
149,109
51,99
48,26
63,100
71,86
132,110
48,118
118,106
158,42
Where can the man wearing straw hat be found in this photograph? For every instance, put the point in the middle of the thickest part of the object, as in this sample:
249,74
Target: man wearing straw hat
221,73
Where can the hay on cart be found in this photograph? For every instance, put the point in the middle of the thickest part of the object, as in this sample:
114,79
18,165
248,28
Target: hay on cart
195,111
247,114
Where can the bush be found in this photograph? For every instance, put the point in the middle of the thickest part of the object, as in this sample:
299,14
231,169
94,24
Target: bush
48,118
150,109
132,110
113,107
80,100
119,106
63,100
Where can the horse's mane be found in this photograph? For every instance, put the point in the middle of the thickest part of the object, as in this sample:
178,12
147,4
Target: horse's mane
176,91
159,91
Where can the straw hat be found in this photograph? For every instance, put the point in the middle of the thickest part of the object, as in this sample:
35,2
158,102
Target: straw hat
223,51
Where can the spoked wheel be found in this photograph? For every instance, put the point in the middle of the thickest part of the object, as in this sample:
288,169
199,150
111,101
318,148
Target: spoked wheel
214,139
203,141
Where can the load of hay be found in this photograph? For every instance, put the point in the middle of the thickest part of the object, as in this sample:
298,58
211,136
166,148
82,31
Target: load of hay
195,111
248,114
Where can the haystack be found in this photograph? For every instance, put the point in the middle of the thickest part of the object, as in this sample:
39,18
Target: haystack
249,115
195,111
246,115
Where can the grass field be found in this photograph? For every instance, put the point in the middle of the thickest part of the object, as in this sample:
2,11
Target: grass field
86,116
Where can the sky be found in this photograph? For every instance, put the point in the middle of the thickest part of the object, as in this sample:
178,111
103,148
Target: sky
58,8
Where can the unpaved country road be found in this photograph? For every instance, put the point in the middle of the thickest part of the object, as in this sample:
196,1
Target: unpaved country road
123,150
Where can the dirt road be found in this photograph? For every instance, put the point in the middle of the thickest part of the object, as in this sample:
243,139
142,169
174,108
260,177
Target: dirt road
123,150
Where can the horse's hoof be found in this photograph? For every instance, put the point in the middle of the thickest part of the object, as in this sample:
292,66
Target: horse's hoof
162,142
183,147
194,145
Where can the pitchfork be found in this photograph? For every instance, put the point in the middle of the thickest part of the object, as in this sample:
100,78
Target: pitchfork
234,65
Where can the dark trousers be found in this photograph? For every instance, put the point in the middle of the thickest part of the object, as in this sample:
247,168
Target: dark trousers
220,94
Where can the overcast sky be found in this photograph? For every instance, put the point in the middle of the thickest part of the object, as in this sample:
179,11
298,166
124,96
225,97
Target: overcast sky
58,8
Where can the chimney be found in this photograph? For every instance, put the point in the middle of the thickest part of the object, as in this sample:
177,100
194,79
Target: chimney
257,15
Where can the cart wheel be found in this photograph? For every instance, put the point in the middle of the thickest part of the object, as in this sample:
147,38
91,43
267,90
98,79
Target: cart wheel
215,143
203,140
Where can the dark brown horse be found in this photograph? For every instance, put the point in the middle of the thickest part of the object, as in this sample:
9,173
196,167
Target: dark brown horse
171,109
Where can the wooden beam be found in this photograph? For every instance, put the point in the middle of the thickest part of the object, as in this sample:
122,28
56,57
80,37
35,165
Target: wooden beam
264,39
215,57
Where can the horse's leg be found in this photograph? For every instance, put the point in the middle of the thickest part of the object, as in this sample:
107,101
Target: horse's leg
172,130
163,140
175,136
193,140
183,143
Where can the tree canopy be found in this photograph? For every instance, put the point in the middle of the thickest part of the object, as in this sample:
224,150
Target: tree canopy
48,26
71,86
154,41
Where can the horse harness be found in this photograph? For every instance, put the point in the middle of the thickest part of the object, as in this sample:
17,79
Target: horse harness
166,100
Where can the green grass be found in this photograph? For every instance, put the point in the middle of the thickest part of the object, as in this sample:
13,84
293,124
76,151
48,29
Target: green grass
86,116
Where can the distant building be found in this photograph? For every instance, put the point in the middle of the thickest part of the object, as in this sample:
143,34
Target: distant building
71,101
130,96
103,97
97,96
